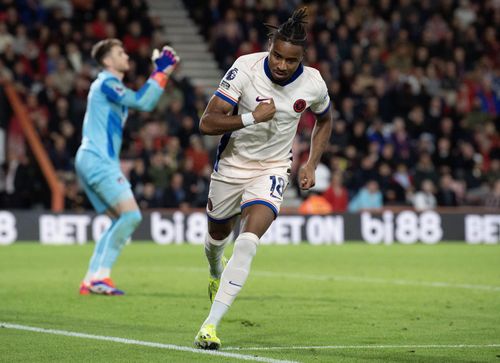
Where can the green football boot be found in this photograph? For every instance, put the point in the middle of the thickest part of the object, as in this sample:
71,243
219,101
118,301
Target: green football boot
207,338
213,283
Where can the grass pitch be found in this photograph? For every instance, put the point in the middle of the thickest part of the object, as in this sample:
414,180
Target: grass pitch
304,303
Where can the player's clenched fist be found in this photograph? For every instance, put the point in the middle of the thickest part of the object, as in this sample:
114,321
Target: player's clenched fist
165,60
306,177
264,111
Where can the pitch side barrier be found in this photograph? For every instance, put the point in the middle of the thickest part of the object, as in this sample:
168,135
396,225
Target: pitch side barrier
166,227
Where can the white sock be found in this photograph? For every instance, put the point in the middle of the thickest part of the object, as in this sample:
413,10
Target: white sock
217,311
102,273
89,276
234,276
214,249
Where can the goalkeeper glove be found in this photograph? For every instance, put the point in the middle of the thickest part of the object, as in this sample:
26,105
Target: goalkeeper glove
166,60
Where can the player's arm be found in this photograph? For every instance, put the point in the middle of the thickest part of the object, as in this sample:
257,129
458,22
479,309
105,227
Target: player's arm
146,98
319,141
218,117
216,120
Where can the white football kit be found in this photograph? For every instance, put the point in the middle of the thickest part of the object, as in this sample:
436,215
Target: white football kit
253,163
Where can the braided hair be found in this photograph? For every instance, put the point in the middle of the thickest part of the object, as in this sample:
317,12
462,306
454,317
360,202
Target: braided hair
293,30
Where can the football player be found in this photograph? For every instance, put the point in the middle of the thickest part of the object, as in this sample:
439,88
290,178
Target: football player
97,160
257,108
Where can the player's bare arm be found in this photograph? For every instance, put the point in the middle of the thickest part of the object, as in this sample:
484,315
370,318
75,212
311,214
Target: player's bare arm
319,141
216,119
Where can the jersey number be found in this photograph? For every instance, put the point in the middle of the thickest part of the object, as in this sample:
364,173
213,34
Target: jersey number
277,186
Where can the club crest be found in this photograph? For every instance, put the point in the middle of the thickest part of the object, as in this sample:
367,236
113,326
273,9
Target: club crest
299,105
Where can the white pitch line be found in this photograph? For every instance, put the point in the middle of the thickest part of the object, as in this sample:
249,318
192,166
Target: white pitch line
416,346
360,279
143,343
380,281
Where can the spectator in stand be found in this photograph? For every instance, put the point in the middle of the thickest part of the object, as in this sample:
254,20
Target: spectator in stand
492,200
149,197
442,157
197,154
336,194
365,171
175,196
135,38
400,139
436,65
74,199
425,199
158,171
493,174
59,154
186,131
446,196
424,170
315,203
138,177
368,198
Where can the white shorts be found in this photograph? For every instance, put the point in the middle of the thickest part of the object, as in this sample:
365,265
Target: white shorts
228,197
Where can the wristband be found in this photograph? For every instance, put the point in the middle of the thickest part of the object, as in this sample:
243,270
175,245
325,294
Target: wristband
247,119
160,77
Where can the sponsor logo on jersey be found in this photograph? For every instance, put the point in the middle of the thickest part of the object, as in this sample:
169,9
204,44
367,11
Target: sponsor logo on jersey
121,180
299,105
231,74
119,90
225,85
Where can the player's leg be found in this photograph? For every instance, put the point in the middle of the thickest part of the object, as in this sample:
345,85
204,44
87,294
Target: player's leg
119,233
223,207
255,220
96,255
218,236
84,165
258,213
108,191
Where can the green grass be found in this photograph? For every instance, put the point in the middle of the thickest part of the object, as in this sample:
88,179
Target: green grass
355,294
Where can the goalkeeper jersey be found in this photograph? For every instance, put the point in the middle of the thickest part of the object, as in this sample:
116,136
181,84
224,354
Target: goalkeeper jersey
107,109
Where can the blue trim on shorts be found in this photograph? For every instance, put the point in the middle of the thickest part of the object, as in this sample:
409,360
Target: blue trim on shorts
263,202
220,221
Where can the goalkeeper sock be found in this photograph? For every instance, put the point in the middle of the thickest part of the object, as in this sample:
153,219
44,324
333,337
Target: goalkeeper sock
120,233
98,251
214,249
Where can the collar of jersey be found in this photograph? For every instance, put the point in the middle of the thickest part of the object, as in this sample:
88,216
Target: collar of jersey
108,74
294,76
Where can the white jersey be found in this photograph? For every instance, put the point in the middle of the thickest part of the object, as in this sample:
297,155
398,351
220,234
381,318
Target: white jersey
266,145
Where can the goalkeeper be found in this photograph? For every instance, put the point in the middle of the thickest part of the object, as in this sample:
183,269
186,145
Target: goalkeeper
97,160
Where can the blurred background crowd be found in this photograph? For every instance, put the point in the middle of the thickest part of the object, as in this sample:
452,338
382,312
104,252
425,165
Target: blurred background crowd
415,87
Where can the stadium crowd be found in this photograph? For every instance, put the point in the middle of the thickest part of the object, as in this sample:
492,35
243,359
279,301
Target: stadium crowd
415,87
